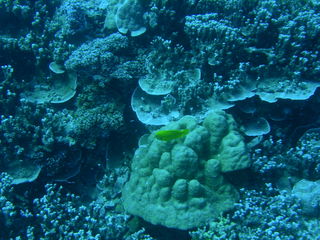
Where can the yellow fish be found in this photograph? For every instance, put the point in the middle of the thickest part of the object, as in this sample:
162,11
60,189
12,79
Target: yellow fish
167,135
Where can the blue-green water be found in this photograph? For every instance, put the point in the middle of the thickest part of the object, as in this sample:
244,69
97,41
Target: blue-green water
86,85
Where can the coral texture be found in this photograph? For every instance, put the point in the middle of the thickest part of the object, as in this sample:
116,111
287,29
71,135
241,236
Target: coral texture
179,183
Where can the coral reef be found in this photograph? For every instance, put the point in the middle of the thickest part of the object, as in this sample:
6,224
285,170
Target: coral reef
262,215
82,81
308,194
98,53
179,183
58,215
234,59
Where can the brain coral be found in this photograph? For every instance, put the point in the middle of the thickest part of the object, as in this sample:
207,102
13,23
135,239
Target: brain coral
179,183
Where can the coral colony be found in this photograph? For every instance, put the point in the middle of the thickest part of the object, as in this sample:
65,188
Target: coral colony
160,120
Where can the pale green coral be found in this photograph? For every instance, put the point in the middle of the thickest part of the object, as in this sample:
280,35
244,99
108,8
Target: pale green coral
179,183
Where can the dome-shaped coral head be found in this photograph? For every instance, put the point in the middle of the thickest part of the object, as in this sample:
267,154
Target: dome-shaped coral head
167,135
